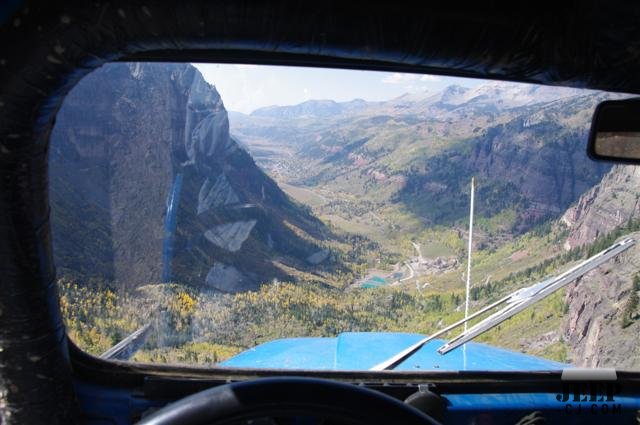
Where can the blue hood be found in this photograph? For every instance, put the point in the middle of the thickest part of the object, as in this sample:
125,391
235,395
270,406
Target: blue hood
363,350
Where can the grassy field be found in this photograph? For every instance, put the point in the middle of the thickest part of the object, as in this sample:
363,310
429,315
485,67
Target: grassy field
354,226
304,195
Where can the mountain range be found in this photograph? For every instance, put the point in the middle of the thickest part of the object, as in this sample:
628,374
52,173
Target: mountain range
523,143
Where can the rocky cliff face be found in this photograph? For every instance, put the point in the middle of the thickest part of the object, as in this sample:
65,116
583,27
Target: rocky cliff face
147,185
609,204
533,163
593,325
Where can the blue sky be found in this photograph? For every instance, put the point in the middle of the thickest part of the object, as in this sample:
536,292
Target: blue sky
245,88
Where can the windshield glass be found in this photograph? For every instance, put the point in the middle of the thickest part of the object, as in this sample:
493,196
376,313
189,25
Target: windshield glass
298,218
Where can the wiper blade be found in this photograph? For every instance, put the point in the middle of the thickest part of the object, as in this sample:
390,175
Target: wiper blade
516,302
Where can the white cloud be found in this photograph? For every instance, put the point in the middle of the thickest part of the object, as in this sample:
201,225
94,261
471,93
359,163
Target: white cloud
398,78
430,78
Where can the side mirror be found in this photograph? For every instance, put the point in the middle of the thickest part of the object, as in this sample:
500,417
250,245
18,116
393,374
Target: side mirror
615,132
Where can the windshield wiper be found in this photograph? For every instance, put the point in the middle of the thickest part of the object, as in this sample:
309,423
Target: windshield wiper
516,302
126,348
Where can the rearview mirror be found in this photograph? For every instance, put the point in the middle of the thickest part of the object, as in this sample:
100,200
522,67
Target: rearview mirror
615,132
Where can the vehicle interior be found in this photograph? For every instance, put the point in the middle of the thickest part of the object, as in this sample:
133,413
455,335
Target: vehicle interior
56,369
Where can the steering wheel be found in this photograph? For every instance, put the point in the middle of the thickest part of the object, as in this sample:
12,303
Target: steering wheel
277,397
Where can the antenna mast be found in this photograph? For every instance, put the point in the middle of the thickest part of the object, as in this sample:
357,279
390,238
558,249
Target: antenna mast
466,303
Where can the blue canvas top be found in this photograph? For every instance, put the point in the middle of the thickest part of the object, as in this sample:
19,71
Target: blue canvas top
363,350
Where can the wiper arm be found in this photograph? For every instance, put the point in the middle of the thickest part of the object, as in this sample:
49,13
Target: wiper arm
516,302
394,361
126,348
523,298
